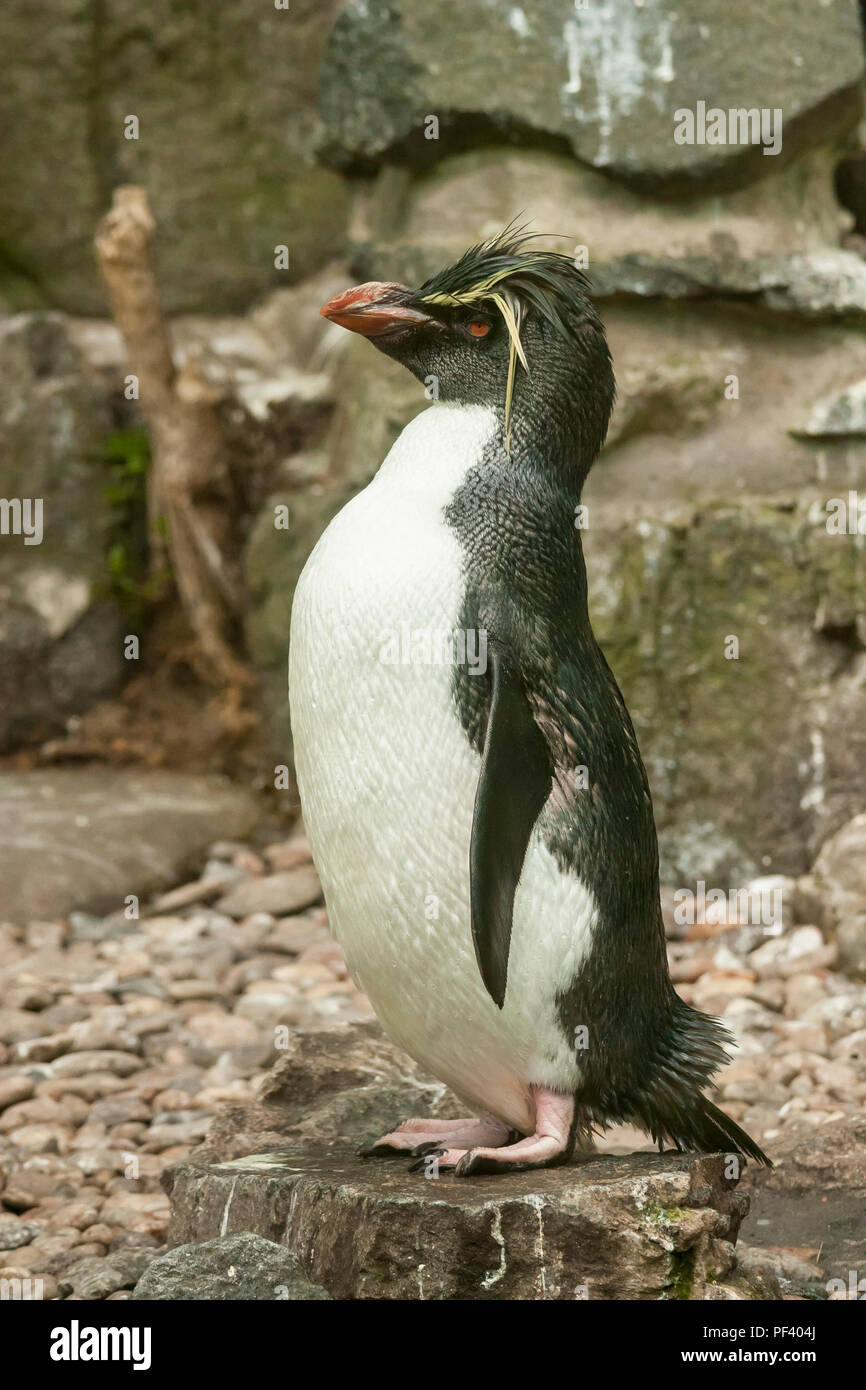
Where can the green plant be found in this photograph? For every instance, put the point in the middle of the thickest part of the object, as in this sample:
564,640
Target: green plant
126,456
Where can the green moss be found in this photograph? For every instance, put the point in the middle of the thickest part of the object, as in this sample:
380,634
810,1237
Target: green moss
665,599
125,456
664,1216
682,1275
816,1292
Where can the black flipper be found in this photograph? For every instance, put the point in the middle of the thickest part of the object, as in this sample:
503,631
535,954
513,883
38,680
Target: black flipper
514,785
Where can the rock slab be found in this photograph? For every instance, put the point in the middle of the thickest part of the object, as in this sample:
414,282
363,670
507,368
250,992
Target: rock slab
87,837
638,1227
604,80
342,1085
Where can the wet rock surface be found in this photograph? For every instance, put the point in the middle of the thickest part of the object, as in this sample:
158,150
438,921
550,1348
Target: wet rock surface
610,1228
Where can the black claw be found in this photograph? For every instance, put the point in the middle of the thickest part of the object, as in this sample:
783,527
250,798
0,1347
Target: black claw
474,1165
430,1146
376,1150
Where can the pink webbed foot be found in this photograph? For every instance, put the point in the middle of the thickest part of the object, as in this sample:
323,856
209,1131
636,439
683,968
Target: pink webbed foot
421,1136
551,1143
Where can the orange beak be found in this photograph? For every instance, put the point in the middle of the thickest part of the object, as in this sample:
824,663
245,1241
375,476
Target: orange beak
365,309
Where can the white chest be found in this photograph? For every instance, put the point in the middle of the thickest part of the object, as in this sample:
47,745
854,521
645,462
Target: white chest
382,763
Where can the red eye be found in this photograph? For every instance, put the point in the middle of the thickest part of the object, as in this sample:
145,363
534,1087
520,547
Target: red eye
479,329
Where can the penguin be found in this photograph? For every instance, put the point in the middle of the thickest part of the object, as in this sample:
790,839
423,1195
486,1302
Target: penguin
469,776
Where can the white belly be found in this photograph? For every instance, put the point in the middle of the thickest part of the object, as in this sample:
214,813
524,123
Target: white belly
388,779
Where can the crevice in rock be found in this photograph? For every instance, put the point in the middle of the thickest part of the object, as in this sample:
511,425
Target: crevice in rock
100,145
850,184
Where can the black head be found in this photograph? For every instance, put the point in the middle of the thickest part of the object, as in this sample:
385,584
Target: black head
505,326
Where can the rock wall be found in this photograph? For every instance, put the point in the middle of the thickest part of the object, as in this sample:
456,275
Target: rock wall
598,80
224,97
378,138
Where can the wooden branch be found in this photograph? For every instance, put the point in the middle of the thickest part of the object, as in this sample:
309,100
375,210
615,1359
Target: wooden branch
188,485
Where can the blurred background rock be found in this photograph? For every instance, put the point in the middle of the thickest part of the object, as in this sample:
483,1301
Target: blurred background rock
160,918
308,127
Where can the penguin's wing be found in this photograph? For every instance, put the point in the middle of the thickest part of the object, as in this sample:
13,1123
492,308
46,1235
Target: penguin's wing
514,785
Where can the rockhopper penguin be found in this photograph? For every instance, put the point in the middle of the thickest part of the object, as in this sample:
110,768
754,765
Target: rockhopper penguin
483,827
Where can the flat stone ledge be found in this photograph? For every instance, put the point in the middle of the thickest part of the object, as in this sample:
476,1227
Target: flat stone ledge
642,1226
85,837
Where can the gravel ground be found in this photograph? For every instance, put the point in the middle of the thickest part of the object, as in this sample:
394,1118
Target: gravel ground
119,1039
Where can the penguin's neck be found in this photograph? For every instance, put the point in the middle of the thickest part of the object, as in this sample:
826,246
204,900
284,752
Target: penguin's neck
528,492
550,442
547,448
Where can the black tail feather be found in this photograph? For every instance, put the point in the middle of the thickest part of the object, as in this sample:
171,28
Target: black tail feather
672,1106
703,1127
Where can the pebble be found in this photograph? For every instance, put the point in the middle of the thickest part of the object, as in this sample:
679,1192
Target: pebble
224,1030
280,893
14,1089
41,936
80,1063
14,1233
803,949
288,854
92,1278
100,1232
43,1049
